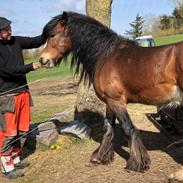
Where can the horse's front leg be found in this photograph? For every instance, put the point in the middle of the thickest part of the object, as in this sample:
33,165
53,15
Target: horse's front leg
104,154
139,159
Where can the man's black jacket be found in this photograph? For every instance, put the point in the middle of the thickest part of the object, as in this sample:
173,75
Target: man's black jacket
12,68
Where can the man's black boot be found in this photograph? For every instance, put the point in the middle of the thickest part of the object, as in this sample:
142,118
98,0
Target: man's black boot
21,165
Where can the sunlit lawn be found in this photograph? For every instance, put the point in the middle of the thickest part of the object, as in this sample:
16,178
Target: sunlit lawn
168,39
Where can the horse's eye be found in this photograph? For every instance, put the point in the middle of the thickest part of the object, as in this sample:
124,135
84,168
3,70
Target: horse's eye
52,35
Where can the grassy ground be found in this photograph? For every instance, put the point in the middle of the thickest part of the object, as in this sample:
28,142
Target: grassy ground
61,71
70,164
44,78
50,96
168,39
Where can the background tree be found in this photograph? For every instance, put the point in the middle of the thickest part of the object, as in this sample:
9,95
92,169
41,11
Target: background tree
86,98
178,4
165,22
178,17
136,27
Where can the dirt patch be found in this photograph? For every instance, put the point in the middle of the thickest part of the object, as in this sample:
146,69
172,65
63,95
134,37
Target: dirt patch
70,164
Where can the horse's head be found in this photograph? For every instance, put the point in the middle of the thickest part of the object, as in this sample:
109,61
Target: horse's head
58,42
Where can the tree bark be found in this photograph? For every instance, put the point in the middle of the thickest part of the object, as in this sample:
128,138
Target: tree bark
100,10
87,101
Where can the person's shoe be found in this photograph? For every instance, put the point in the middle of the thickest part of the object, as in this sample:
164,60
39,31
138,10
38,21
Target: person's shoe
12,174
21,165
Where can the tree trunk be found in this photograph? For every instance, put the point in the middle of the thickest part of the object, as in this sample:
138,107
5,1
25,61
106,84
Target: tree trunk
87,102
100,10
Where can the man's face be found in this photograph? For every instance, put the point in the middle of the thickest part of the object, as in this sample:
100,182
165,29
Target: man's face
5,34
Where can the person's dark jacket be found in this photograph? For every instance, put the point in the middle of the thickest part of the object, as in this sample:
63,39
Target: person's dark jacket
12,67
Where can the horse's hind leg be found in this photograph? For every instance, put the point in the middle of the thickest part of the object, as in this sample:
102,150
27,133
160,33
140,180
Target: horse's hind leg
139,159
104,154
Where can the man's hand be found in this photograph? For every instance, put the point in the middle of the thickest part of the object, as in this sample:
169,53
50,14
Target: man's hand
36,66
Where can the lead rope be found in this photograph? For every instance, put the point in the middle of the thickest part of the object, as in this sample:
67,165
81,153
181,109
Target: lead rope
26,133
30,131
14,89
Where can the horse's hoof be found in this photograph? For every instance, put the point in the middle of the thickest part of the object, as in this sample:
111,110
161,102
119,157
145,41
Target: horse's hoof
95,161
138,167
101,162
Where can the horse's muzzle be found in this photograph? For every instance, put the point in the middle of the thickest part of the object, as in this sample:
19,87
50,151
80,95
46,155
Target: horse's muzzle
49,63
43,61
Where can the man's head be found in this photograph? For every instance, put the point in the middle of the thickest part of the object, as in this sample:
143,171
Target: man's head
5,29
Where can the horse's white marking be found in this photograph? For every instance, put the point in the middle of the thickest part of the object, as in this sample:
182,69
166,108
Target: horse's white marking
177,95
44,46
175,99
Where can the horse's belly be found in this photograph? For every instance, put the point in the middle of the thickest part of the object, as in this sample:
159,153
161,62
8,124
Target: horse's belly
159,96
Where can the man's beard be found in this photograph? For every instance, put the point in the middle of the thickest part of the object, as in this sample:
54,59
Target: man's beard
7,38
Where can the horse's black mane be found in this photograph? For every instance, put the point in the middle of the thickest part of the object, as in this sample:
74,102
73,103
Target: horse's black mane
90,39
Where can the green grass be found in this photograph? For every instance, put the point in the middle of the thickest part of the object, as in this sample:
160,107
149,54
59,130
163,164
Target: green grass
44,114
63,70
168,39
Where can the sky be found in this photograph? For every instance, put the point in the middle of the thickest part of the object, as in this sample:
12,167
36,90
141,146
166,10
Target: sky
29,16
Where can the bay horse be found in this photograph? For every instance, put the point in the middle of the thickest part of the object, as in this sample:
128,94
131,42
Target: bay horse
121,72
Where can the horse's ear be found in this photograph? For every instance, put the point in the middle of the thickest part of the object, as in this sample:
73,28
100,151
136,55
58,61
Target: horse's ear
64,16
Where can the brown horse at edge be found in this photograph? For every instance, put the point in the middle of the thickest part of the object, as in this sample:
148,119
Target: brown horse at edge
121,73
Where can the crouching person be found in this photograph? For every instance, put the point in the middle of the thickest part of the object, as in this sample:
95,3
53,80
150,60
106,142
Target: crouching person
14,97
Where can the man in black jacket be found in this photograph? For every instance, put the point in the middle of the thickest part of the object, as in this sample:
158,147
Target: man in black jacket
14,97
